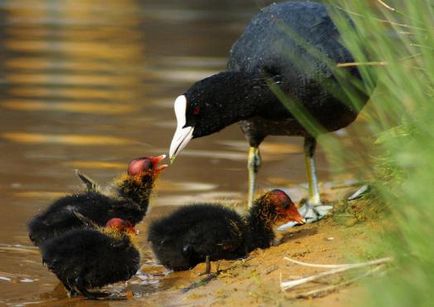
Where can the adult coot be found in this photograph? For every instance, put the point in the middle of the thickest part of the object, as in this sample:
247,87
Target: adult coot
200,232
88,258
278,50
92,207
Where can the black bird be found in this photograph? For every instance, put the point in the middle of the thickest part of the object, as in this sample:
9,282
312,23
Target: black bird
200,232
89,258
274,54
94,208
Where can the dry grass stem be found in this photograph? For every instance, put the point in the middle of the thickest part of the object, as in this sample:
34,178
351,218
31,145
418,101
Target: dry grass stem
351,64
332,288
386,5
339,268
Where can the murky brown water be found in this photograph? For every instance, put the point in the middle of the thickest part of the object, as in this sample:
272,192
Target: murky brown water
90,85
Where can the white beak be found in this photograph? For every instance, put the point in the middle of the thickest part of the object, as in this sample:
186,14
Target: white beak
183,135
180,140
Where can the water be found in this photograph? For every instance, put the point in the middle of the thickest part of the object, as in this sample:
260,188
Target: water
90,85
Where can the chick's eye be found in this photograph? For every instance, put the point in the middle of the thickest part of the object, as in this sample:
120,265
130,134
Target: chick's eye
147,164
196,110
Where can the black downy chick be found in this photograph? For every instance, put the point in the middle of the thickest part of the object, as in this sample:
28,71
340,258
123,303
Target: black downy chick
94,208
192,233
88,258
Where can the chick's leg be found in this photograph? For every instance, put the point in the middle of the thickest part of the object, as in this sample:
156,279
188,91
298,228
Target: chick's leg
207,266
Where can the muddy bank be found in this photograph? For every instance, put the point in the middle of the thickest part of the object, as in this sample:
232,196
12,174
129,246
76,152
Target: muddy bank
256,280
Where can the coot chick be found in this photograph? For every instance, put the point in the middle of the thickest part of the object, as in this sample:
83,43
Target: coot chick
92,207
192,233
88,258
272,50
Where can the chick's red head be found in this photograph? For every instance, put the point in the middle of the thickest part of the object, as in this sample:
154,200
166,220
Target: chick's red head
121,225
286,210
146,166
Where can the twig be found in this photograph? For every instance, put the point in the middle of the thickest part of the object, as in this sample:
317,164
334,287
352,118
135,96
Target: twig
314,265
348,185
199,283
341,268
351,64
359,193
328,289
381,20
334,266
386,5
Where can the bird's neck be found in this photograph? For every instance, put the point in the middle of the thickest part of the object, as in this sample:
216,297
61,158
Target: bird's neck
235,96
251,94
136,189
260,225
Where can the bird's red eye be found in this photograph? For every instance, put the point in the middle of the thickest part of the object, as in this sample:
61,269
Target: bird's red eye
196,110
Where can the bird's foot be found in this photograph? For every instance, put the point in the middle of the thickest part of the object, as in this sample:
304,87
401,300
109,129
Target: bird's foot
94,295
105,296
89,294
314,213
311,213
72,293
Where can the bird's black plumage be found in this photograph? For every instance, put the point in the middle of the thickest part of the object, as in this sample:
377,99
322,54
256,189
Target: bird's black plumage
190,234
130,203
87,258
290,48
283,41
274,48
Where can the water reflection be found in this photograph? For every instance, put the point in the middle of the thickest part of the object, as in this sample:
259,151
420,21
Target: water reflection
65,139
76,107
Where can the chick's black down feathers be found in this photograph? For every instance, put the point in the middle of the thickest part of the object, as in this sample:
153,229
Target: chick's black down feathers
81,210
186,237
190,234
88,258
92,208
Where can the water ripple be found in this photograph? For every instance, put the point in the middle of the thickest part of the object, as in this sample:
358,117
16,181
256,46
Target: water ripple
65,139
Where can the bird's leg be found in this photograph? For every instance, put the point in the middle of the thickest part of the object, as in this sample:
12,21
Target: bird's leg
313,210
312,178
207,266
70,290
253,164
